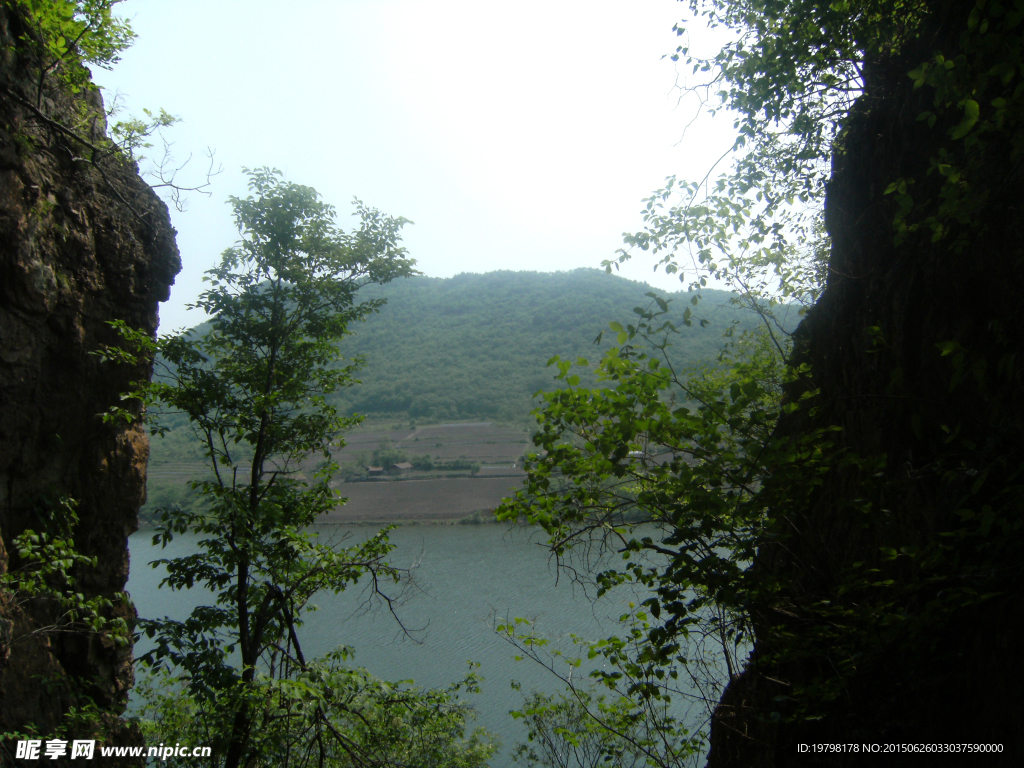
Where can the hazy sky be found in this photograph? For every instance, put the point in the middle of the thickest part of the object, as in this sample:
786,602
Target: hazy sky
516,136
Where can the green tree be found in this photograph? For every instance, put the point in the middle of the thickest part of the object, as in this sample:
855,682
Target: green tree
386,456
666,469
253,387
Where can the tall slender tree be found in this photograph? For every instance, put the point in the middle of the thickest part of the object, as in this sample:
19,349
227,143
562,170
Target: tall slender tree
253,387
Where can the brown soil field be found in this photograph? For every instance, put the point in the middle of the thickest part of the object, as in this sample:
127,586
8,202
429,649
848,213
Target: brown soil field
436,500
486,443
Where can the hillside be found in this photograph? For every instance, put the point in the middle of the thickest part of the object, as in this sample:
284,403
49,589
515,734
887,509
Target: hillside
476,346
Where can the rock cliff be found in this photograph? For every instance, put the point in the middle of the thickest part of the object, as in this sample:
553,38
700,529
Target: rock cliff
901,580
79,246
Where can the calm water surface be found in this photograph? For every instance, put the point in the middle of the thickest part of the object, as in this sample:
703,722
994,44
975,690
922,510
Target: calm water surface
464,577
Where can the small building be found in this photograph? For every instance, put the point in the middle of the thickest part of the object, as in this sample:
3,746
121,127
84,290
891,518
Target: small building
375,471
402,467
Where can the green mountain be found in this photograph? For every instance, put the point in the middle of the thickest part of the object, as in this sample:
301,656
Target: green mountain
475,346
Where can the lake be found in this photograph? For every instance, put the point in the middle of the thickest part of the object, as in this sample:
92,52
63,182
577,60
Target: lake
464,577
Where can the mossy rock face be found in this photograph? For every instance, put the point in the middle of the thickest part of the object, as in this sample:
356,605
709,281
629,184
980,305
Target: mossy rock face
72,258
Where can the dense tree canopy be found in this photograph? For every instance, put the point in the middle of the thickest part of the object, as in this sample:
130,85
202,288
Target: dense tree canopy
477,346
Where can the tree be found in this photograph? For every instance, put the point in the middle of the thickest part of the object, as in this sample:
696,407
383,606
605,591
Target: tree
253,387
855,522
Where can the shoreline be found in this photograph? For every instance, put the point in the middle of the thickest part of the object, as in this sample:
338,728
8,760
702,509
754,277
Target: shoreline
415,501
478,517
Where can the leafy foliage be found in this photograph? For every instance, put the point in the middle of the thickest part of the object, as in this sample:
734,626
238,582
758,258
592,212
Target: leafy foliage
582,730
43,578
668,469
474,347
365,721
69,34
43,581
603,719
57,40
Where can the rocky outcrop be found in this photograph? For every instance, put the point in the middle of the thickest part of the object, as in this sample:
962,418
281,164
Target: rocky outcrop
911,546
77,250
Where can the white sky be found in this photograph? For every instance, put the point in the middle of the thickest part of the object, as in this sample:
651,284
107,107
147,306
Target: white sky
516,136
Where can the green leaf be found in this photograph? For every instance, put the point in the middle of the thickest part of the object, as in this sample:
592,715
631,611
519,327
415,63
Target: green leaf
970,119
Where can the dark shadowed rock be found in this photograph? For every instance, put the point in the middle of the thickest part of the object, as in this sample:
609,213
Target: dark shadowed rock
76,251
936,663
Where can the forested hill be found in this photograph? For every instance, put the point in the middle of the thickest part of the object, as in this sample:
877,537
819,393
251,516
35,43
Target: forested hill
475,346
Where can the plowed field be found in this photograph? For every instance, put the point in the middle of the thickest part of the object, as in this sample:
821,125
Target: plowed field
443,499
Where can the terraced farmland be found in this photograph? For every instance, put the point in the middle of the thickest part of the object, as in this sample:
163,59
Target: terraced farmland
442,493
482,442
